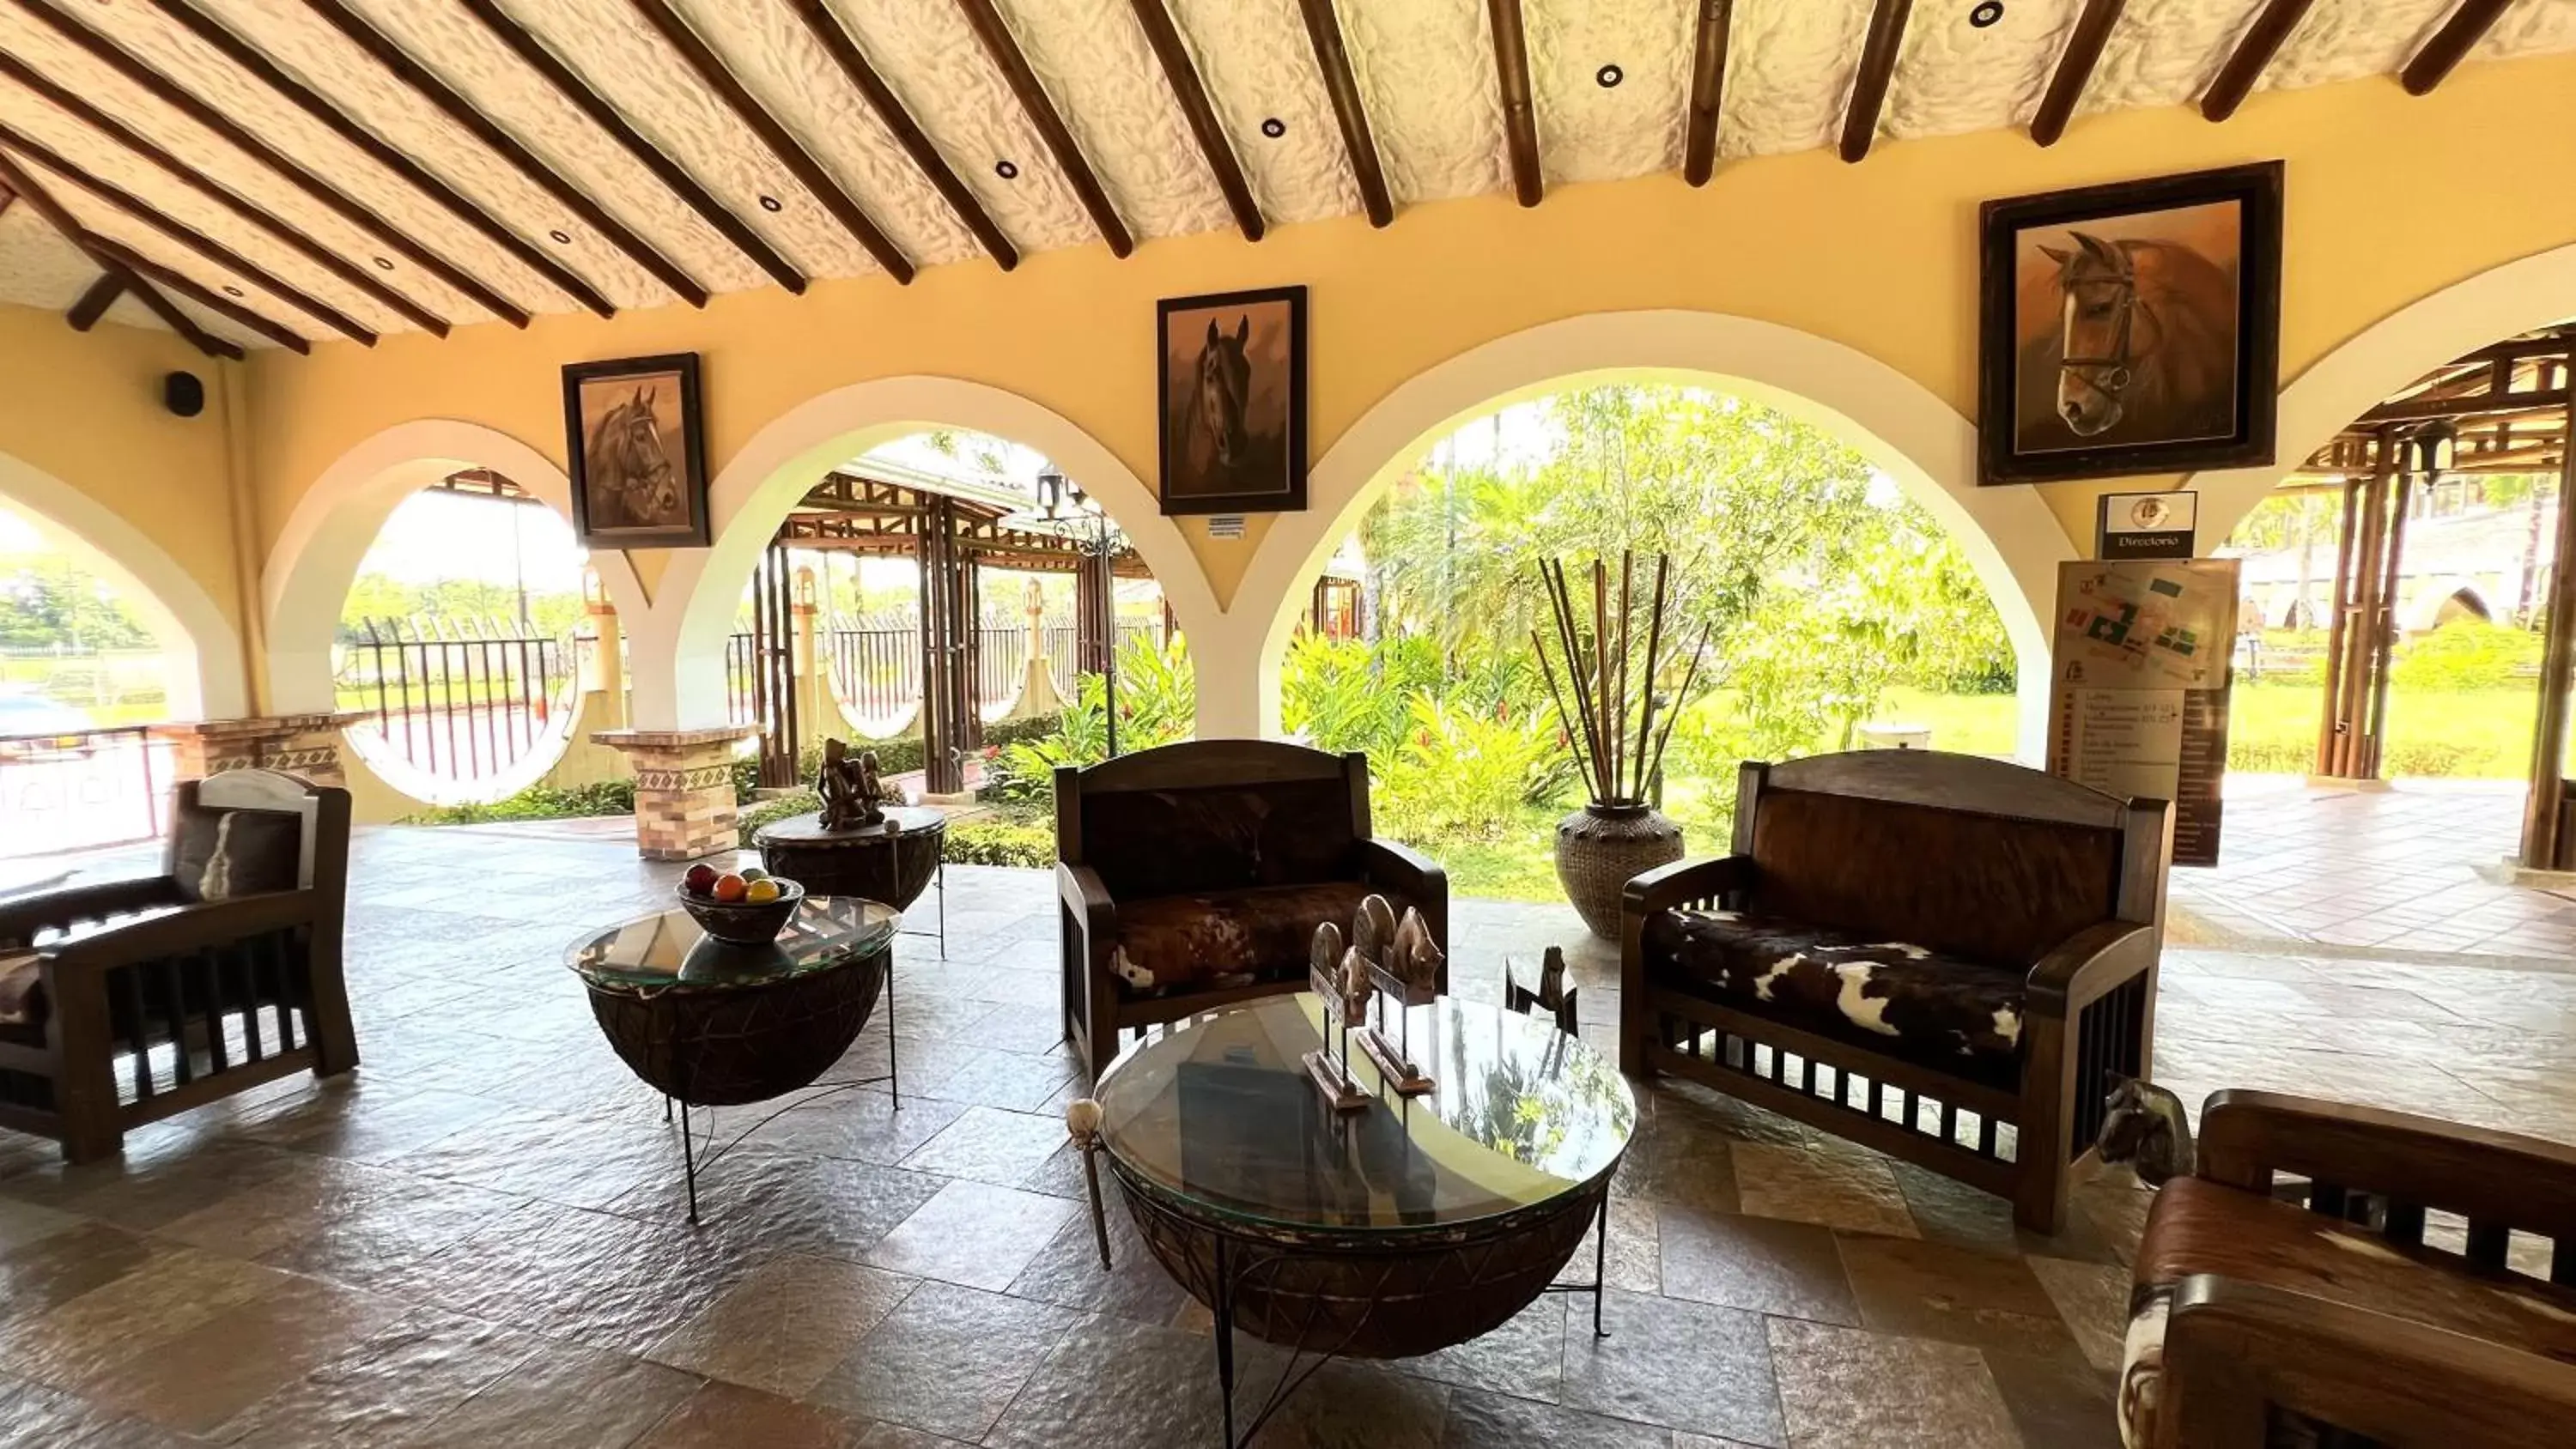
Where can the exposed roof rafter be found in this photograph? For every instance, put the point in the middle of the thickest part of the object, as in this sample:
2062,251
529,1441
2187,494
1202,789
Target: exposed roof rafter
1520,116
995,35
16,179
1187,89
2262,41
791,153
1708,90
204,296
1333,60
2084,44
269,73
1878,54
837,42
2451,44
93,304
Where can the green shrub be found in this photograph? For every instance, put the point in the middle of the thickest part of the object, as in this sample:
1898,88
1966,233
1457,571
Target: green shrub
2274,756
537,802
771,811
1463,774
1000,842
1157,705
2437,758
2466,654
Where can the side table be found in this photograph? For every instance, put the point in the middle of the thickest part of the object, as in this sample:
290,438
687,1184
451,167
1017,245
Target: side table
892,862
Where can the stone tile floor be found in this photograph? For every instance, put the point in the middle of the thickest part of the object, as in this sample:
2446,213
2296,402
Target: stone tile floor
479,1241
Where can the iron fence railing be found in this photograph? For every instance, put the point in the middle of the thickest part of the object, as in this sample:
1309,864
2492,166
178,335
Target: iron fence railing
64,792
461,700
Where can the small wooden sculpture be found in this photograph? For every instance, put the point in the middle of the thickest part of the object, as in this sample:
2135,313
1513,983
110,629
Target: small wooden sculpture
1328,967
1552,995
1406,972
1358,985
1373,930
852,793
1415,959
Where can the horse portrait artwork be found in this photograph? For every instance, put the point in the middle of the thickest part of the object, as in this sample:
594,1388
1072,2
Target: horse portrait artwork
638,457
1234,402
2126,335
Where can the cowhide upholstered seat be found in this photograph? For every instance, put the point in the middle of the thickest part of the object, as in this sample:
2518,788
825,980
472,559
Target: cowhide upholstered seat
1932,1007
1948,958
1193,876
2301,1289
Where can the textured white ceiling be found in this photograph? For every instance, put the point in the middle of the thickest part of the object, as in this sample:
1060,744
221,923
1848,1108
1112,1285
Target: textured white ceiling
1425,70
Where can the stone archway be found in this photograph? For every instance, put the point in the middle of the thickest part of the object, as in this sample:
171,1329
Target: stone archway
206,678
678,653
2008,534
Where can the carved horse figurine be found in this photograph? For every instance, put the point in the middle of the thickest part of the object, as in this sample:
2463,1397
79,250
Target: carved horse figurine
2147,337
626,472
1373,931
1416,956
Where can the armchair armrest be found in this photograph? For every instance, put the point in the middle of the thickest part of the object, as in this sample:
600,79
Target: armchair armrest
1391,863
2088,963
2232,1347
1671,885
1087,896
22,918
187,928
2487,1176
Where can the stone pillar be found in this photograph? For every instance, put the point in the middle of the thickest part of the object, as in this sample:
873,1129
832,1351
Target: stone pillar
684,805
600,704
306,745
1038,695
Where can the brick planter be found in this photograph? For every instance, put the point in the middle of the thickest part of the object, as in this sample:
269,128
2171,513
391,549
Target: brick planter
684,804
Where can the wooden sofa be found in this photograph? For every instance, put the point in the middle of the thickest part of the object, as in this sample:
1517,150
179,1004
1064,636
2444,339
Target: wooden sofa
156,995
1193,876
1944,957
2346,1277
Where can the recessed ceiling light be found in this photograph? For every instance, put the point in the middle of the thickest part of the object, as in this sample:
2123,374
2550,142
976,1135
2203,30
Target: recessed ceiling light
1609,76
232,291
1006,171
561,238
384,264
1274,128
1986,13
771,203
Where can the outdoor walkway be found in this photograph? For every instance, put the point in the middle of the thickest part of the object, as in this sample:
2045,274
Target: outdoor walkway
479,1239
2393,873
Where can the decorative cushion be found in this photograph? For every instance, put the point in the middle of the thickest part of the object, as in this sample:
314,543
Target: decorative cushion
2198,1226
1229,938
1899,999
228,853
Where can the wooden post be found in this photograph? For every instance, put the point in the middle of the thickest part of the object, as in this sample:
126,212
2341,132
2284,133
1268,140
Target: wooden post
2362,612
2541,845
2401,492
1095,614
947,673
2328,736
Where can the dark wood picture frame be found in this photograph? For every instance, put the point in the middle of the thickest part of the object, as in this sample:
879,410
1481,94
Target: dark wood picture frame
2257,190
1180,495
687,452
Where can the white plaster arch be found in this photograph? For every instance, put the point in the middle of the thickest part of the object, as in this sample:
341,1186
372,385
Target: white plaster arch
2008,534
206,680
317,553
678,653
2518,296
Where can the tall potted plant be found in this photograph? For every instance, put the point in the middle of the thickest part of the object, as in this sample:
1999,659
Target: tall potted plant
1618,719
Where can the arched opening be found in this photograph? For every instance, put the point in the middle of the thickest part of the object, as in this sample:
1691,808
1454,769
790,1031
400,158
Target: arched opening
1818,605
2007,536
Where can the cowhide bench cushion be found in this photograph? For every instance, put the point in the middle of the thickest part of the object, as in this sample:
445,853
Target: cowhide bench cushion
1907,1001
1230,938
2199,1226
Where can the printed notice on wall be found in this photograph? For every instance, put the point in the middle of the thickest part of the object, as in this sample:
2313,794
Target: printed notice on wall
2138,703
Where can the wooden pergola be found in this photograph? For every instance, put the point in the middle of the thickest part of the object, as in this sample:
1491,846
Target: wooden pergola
2509,408
953,531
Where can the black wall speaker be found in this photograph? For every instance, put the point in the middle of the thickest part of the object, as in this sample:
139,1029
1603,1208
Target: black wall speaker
183,394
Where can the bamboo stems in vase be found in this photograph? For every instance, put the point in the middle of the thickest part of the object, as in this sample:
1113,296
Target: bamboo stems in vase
1607,693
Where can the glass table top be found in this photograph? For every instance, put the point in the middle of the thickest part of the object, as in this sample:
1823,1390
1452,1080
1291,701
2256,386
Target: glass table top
1223,1114
669,950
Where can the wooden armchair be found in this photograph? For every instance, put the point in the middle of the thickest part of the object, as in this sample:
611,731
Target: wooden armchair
1193,876
2362,1318
153,996
1944,957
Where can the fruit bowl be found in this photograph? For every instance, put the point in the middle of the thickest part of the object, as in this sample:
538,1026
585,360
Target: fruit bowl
742,922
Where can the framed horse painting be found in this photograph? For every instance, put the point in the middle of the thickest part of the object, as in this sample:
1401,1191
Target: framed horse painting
639,454
2131,328
1232,383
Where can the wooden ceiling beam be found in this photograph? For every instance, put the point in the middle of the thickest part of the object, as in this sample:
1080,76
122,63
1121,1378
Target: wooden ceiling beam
126,137
423,83
187,236
1333,60
20,183
1878,54
250,58
791,153
2451,44
2074,69
1707,92
995,35
1520,116
6,198
1183,76
533,53
186,102
93,304
204,296
2262,41
844,50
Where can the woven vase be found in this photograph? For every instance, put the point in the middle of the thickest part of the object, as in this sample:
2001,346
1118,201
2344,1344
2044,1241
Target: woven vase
1600,846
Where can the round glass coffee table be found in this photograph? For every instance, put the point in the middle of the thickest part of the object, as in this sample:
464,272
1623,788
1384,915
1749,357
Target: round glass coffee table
1401,1228
709,1024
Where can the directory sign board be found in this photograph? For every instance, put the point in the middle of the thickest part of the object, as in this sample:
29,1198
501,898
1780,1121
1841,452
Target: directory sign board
2138,686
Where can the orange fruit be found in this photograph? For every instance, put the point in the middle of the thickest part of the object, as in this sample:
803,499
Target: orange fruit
730,887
